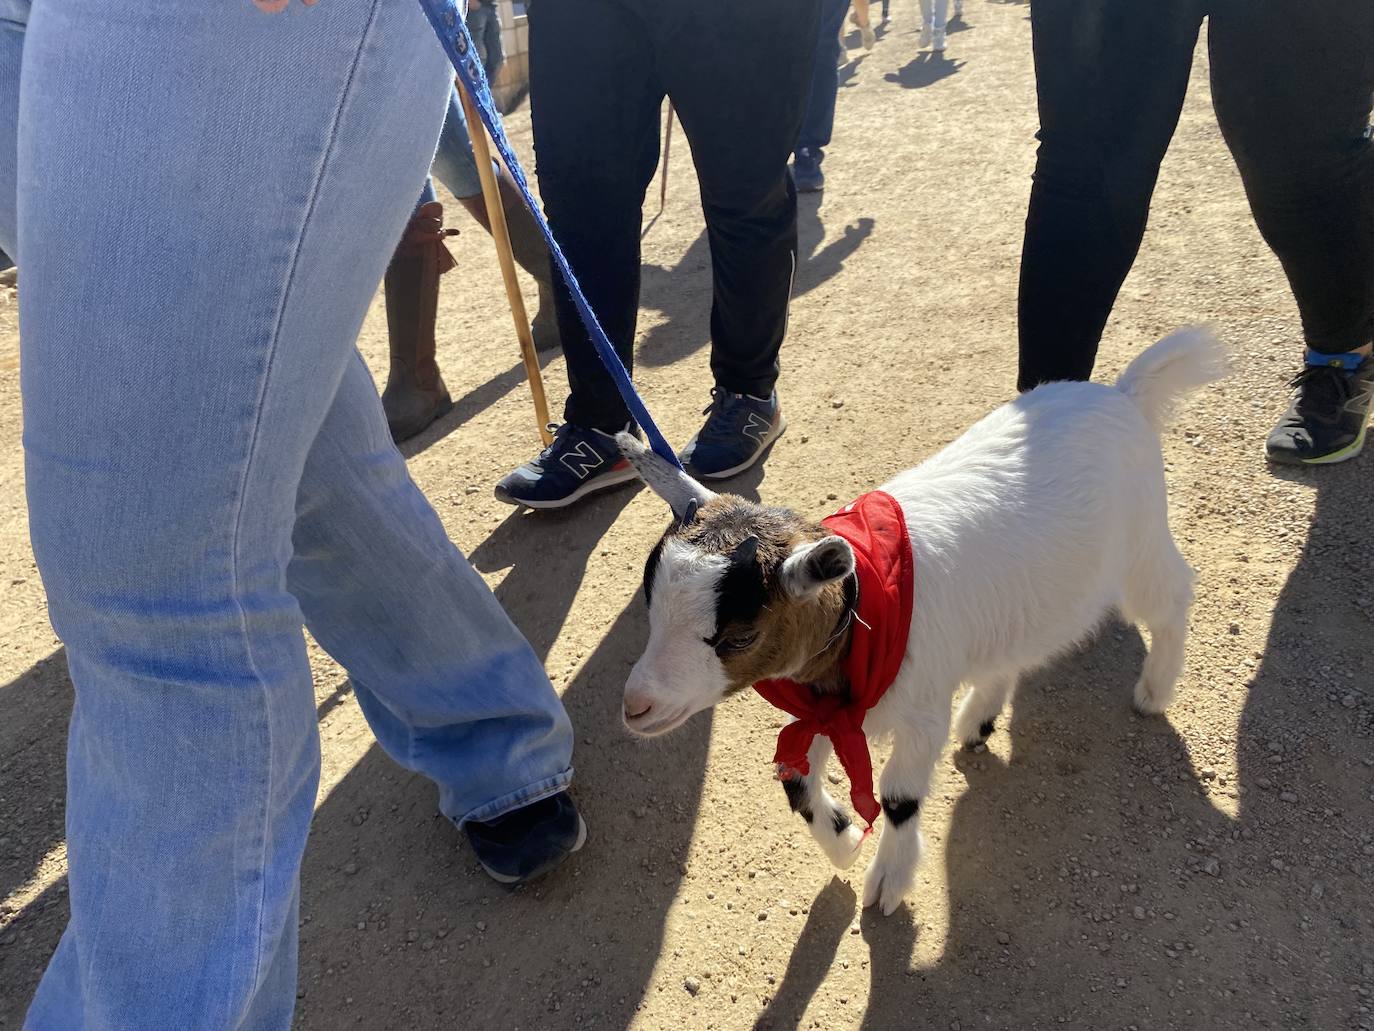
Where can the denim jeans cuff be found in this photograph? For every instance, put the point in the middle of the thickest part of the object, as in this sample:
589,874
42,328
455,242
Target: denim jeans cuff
516,799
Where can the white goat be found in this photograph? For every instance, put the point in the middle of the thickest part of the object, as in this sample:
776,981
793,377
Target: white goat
1025,532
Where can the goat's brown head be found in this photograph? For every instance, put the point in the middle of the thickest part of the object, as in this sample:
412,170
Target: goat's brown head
737,592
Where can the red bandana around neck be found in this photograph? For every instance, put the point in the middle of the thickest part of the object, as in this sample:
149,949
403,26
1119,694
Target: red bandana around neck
876,529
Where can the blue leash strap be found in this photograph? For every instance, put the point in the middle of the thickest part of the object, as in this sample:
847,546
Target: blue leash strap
452,31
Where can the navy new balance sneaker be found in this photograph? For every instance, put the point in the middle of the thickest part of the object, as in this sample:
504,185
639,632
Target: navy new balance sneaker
578,462
1326,421
739,428
530,841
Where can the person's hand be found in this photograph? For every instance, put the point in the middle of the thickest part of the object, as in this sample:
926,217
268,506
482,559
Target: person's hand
276,6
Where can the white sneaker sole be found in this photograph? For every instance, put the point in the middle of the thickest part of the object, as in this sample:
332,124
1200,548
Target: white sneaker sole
605,482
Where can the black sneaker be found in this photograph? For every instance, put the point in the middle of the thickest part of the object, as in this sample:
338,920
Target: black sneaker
530,841
578,462
1326,422
806,169
739,428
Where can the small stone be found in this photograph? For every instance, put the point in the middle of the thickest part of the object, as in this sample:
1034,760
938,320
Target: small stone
473,489
641,812
412,935
1317,890
1138,912
1208,773
692,985
763,914
1003,937
832,496
1348,701
837,403
1288,796
1265,783
1121,982
350,868
362,925
804,438
481,925
833,777
1212,868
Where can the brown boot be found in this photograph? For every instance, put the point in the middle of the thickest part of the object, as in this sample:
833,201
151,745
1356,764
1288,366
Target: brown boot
531,254
415,394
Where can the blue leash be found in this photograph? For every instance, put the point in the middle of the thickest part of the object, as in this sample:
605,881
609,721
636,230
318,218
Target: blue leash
448,24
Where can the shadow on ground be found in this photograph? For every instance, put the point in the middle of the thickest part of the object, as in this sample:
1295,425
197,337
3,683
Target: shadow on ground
925,69
683,293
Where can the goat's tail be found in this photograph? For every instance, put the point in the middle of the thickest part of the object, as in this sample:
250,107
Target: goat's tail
1167,370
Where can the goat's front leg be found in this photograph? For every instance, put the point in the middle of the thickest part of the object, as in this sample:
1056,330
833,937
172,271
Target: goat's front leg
830,825
905,783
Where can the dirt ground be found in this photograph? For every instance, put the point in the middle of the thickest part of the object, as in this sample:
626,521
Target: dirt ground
1211,869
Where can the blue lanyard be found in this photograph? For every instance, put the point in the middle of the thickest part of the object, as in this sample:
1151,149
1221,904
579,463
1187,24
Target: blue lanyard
448,24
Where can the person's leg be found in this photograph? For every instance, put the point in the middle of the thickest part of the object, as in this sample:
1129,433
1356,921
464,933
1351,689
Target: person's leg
455,166
939,16
595,109
1110,81
741,108
819,120
595,113
1292,96
14,16
170,403
448,684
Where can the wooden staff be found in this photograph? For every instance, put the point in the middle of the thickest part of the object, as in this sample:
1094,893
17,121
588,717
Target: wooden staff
667,146
496,214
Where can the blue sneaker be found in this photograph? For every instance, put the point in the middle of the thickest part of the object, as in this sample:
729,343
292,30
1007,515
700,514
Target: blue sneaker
806,170
530,841
738,430
578,462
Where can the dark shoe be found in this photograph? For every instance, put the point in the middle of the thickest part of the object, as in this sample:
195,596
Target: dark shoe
1326,422
806,170
578,462
415,394
738,430
530,841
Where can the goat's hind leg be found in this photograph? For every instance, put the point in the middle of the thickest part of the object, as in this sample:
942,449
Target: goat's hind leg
830,825
1159,594
978,711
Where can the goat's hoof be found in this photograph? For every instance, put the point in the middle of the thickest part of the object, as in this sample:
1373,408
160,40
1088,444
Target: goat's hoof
847,847
1149,701
885,888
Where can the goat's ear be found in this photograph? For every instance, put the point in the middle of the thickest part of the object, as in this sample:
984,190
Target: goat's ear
811,566
683,494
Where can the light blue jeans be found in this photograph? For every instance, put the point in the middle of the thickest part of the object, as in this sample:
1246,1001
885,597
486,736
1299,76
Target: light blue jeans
203,198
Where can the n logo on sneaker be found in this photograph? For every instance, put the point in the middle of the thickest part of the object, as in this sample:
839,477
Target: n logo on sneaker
582,460
756,429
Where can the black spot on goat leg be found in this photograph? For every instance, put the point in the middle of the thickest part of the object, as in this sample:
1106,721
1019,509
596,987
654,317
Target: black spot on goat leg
899,810
839,819
796,796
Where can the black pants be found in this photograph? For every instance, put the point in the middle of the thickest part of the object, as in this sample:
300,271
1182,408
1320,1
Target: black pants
1291,85
737,75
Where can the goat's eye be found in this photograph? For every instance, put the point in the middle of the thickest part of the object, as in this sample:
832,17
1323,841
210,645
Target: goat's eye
737,643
